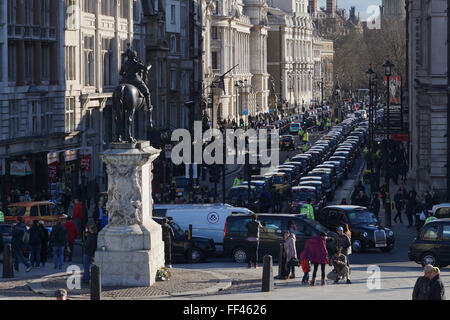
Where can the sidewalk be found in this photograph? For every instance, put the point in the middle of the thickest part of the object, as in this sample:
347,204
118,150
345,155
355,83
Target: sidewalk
182,282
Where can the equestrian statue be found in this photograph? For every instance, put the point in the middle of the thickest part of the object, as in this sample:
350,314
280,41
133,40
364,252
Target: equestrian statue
130,95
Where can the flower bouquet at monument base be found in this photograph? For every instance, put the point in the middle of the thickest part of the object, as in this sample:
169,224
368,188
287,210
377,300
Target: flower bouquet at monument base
163,274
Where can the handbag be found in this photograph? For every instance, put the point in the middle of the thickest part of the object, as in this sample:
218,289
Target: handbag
295,262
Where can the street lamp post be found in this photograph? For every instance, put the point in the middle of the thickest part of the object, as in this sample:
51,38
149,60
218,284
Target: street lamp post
370,74
321,85
387,71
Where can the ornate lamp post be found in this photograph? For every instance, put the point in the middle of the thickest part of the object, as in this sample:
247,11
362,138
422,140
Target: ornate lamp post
370,74
387,72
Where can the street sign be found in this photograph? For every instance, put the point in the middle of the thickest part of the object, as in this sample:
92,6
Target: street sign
245,112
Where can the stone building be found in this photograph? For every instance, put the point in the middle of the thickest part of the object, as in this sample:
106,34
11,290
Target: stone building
61,62
393,8
323,53
428,73
291,64
235,35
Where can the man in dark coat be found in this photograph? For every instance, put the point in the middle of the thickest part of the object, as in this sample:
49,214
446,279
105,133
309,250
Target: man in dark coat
90,246
35,244
421,287
375,204
362,199
436,290
58,239
44,242
167,236
17,244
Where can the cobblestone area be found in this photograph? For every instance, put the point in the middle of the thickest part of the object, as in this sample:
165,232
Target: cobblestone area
181,281
242,282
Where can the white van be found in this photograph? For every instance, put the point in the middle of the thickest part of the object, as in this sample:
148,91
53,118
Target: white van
208,220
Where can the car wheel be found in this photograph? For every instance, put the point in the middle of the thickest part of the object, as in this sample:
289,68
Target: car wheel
387,249
196,255
429,258
357,246
240,255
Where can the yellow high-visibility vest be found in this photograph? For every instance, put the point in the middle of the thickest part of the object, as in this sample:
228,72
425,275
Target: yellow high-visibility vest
2,217
308,210
306,137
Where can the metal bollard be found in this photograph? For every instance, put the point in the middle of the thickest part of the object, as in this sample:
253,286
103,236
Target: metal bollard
267,277
96,283
8,270
281,262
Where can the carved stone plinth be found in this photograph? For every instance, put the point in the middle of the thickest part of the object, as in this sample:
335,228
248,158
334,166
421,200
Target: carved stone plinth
130,248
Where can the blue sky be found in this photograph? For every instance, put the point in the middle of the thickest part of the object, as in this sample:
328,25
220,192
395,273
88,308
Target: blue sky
361,5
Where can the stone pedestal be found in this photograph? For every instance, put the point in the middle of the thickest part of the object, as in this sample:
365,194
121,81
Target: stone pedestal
130,248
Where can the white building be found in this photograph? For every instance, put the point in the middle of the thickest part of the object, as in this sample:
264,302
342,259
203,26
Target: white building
291,62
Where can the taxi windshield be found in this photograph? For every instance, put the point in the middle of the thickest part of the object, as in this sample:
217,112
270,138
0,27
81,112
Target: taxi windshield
15,211
303,195
362,217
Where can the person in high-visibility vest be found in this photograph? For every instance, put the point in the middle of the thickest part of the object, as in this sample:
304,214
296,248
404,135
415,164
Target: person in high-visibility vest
336,121
2,216
301,133
305,137
329,123
287,160
430,218
305,147
237,181
307,209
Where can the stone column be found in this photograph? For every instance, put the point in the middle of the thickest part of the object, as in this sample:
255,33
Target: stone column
130,248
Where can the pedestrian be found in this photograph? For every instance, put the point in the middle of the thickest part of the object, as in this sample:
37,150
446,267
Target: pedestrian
265,201
307,209
421,215
27,197
98,214
90,246
398,200
253,227
58,239
240,202
44,243
18,240
436,289
77,215
72,233
35,244
344,201
341,270
290,254
343,243
306,267
167,236
61,294
387,210
421,287
277,201
375,204
316,251
362,200
428,201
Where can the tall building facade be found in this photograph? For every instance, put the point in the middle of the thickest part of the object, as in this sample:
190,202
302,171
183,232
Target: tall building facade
61,62
428,81
291,64
393,8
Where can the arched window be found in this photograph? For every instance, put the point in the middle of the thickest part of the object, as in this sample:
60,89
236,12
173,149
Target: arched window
173,43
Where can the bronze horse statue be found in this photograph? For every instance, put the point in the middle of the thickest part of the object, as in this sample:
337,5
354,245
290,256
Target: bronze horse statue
127,99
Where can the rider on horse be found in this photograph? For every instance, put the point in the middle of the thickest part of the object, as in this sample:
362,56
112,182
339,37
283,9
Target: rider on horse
131,73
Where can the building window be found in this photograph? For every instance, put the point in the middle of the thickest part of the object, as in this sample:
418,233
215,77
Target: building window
172,14
215,60
28,10
29,63
107,8
46,114
216,7
108,65
70,62
12,59
70,114
136,11
12,11
89,62
214,33
173,43
45,13
45,63
14,113
89,6
173,80
124,9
